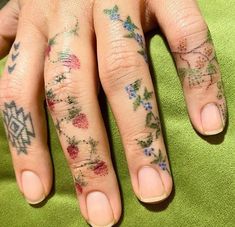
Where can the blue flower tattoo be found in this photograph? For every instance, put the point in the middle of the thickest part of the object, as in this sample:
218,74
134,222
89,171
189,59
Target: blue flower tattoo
130,27
152,122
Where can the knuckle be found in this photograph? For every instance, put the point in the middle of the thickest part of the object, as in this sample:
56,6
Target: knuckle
187,22
118,65
92,170
61,97
203,84
132,143
192,27
11,89
120,62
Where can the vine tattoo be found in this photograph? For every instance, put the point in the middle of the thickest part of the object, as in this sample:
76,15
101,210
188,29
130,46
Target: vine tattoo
130,27
68,59
19,127
15,54
74,114
200,67
152,123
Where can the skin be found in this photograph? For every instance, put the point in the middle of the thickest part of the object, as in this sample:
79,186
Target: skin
52,58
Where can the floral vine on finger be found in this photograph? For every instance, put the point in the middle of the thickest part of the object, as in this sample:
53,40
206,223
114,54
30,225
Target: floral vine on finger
72,112
130,27
152,123
200,67
67,58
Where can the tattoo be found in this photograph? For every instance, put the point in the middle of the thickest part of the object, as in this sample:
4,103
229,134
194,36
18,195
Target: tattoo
68,59
152,122
220,87
198,65
130,27
93,163
98,167
223,111
73,114
14,57
221,97
80,182
19,127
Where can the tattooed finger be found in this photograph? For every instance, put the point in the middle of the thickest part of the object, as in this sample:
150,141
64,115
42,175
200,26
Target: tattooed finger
71,99
19,127
192,47
23,114
126,79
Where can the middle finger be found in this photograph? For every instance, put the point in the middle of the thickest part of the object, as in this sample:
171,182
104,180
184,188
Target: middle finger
71,92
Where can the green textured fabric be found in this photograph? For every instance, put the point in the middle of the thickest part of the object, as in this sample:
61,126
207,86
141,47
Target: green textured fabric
203,168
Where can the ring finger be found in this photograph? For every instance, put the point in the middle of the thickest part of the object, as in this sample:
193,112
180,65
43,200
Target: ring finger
126,79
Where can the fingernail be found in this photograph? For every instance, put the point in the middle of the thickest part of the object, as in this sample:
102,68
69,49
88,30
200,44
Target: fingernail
151,188
99,210
32,187
211,119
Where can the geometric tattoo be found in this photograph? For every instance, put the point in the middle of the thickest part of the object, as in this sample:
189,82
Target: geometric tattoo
14,56
19,127
73,116
130,27
152,123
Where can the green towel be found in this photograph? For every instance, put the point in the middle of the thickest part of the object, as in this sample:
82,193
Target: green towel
203,168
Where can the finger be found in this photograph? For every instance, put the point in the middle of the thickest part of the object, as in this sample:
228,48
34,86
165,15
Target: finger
125,76
192,47
71,91
23,113
8,26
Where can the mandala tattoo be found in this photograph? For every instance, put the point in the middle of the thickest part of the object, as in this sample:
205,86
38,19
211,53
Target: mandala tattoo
19,127
152,122
73,114
15,54
130,27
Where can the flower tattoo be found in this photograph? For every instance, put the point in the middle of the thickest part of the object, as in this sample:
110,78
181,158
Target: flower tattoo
152,123
73,116
130,27
199,68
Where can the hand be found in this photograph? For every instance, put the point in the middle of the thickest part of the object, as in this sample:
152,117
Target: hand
54,44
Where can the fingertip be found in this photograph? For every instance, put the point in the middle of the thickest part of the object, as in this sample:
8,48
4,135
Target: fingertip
154,186
32,187
99,209
212,123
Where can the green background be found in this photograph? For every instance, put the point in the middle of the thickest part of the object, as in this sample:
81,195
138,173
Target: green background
203,168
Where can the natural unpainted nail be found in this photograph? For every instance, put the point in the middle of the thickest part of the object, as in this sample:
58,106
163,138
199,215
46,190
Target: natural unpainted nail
32,187
211,119
100,212
151,188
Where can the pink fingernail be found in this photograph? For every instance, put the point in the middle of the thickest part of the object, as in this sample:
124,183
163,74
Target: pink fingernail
211,119
32,187
151,188
99,210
